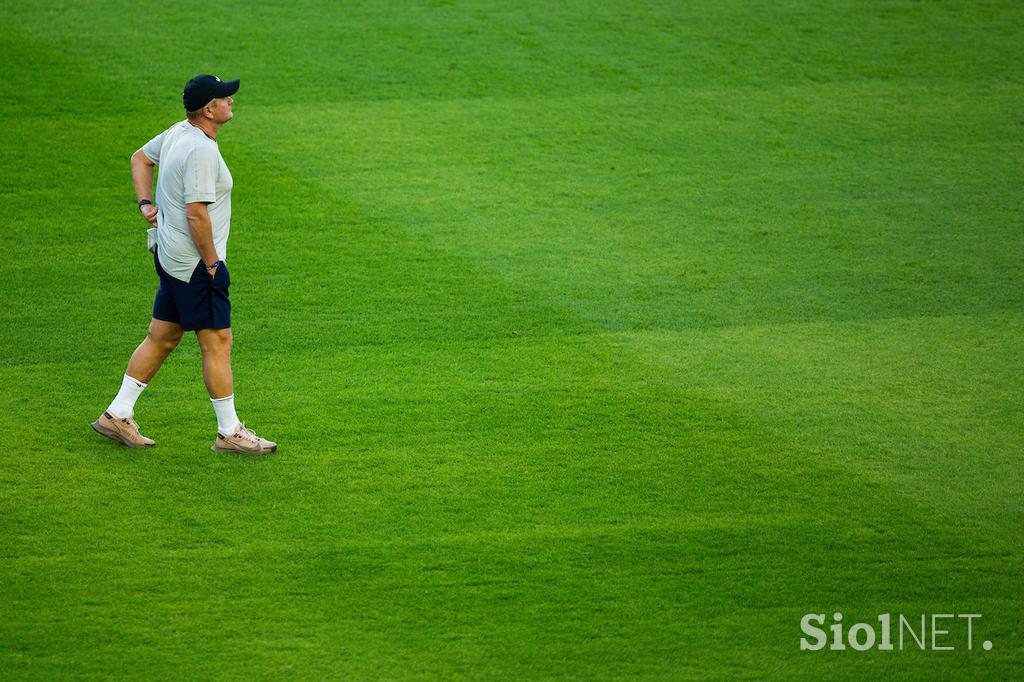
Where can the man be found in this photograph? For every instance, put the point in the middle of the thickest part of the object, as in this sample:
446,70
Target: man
192,214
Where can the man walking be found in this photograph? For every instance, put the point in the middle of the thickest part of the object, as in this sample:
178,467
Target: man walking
192,214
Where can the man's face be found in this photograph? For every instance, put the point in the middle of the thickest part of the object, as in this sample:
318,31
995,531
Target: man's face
220,109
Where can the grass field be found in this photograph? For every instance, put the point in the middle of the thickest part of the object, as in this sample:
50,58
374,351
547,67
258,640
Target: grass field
602,340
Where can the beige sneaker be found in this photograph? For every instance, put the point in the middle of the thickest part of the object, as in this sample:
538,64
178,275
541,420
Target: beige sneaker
245,441
123,430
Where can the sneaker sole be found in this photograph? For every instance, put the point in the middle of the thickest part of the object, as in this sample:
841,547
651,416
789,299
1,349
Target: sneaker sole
115,436
214,448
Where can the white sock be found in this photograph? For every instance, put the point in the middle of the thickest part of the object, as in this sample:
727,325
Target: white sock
227,420
124,403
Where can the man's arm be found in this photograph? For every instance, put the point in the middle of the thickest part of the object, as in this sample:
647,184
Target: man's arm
201,229
142,178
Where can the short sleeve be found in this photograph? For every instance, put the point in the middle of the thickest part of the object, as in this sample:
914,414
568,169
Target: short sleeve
200,174
152,148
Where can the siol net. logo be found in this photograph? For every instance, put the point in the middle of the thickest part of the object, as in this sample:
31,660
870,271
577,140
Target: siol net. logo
927,632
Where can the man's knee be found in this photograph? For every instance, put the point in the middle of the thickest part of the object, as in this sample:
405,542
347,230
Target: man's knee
215,341
164,337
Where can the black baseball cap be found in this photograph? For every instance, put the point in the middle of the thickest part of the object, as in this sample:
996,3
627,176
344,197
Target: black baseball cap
205,87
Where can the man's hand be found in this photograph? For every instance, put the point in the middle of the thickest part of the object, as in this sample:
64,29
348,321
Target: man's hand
149,212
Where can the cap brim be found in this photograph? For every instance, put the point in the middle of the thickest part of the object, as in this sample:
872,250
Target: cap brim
226,88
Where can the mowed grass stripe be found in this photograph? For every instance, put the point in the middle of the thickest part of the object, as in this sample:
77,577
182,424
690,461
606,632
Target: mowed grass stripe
326,52
588,253
379,610
627,419
901,431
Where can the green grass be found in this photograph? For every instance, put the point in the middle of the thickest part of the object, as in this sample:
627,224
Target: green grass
602,340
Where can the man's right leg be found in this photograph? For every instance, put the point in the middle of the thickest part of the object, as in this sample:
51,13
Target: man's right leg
117,423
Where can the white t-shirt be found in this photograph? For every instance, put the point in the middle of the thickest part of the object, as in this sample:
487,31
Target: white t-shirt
191,169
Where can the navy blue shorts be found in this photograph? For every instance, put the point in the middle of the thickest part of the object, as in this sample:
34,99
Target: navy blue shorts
202,303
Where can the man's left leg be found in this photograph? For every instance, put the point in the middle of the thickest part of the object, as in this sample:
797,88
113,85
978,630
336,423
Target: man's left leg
232,435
